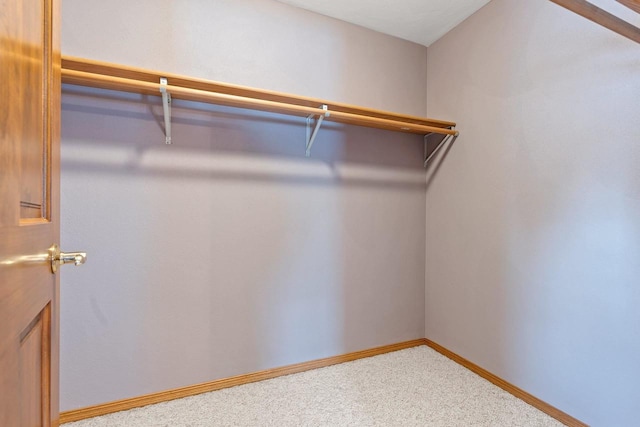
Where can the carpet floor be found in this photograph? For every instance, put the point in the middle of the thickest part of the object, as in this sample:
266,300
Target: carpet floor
413,387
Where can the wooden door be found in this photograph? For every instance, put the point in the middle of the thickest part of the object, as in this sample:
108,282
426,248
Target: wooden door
29,211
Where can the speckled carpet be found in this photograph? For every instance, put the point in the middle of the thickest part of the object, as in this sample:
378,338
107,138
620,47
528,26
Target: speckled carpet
413,387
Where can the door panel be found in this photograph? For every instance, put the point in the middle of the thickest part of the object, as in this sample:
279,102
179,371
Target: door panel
34,371
30,357
32,55
29,206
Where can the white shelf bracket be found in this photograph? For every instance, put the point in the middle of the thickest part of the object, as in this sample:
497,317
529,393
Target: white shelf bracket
311,136
166,107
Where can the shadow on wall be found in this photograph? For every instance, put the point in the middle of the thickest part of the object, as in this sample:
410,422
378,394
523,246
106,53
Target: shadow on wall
229,252
230,130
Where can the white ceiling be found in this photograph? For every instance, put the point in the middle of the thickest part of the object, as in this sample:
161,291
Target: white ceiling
421,21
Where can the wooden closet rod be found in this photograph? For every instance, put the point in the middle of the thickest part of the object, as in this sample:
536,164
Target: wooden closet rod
604,18
110,76
128,85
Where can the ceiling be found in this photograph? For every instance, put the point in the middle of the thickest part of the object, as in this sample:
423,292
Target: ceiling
421,21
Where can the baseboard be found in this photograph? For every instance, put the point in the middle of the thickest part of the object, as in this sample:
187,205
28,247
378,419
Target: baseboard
163,396
552,411
178,393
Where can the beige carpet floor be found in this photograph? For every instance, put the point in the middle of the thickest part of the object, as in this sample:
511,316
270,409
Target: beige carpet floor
414,387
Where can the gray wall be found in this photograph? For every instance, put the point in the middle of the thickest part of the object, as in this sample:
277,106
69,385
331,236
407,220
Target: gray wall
533,218
230,252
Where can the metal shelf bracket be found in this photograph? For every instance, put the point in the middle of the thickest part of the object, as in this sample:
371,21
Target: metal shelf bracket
166,107
311,136
427,158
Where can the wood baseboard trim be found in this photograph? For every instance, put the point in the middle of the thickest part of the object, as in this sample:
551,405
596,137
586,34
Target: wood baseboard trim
552,411
163,396
178,393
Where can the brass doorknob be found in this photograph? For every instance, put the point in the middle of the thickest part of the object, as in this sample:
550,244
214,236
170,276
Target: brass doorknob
59,258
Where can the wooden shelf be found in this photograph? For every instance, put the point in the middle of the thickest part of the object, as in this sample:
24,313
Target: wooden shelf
103,75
